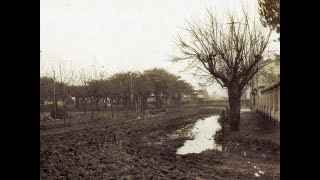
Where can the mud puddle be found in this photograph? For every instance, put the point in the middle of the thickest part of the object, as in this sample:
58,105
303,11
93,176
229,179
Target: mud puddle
200,136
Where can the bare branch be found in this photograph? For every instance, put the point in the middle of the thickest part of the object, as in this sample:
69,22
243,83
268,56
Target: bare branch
231,53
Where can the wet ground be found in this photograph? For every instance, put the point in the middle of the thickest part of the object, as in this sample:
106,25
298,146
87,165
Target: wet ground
147,149
201,136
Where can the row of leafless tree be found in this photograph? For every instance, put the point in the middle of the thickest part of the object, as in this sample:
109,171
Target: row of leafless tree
130,90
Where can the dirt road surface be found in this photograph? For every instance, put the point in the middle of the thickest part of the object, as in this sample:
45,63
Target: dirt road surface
142,149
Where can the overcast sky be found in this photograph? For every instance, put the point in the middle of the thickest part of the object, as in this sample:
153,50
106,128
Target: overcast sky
120,35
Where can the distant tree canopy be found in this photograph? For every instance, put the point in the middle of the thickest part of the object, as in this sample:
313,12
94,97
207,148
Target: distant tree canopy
46,89
125,88
270,13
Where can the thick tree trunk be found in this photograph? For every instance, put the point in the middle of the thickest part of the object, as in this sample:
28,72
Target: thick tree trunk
91,108
158,101
85,106
234,102
136,104
106,104
98,106
126,105
117,107
141,104
145,104
70,111
56,104
111,103
64,109
77,102
132,102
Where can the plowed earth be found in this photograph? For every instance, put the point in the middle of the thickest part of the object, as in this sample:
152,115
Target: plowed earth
142,149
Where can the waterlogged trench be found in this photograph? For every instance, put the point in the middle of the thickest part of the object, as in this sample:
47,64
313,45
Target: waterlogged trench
201,135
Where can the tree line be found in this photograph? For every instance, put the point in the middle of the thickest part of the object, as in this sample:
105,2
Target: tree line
130,90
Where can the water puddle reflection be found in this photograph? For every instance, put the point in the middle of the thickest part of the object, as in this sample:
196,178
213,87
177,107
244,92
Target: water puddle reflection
202,135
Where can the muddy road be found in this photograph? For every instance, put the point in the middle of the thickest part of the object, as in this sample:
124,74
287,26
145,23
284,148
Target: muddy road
143,149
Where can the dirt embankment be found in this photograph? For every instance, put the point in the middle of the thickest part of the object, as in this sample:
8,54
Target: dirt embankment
142,149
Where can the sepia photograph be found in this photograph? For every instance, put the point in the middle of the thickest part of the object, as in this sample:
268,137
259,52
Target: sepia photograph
159,89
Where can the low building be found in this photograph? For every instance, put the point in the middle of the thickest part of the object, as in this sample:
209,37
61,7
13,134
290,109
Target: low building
198,96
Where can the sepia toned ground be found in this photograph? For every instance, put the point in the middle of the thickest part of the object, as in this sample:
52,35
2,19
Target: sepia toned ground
143,149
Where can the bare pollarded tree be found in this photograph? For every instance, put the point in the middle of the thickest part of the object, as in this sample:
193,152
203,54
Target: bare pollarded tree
230,50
